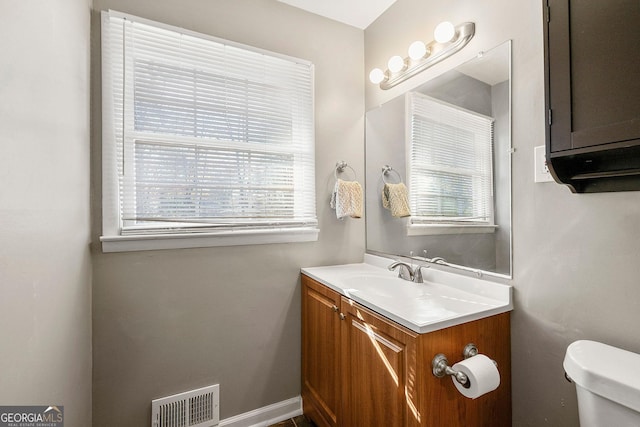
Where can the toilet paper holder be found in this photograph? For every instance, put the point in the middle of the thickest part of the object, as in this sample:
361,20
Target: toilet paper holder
440,365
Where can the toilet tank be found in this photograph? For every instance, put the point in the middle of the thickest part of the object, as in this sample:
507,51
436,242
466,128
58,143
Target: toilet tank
607,383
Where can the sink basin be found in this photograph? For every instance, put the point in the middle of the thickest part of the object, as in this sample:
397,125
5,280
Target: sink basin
445,299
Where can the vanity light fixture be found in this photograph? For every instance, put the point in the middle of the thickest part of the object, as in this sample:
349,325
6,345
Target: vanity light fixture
417,50
448,40
444,32
396,64
376,76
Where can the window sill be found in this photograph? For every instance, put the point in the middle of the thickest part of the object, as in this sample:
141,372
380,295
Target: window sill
435,229
203,240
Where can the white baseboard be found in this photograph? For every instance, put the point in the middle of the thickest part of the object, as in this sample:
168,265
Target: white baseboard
266,416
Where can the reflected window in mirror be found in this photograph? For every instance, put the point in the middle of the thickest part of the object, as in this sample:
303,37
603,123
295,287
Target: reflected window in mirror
450,167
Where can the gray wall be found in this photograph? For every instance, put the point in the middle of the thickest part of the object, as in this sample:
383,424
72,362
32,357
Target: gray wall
45,266
575,256
168,321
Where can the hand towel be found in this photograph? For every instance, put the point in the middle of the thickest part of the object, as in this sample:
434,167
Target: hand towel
395,198
346,199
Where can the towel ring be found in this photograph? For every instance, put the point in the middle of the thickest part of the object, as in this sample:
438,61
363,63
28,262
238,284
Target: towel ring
341,166
386,169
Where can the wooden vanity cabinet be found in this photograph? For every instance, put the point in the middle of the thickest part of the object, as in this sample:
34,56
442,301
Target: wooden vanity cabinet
320,353
440,401
361,369
378,370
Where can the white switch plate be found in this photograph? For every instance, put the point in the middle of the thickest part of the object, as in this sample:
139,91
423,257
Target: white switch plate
540,165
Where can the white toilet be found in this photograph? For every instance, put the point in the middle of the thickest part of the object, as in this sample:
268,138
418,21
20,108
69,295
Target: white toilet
607,382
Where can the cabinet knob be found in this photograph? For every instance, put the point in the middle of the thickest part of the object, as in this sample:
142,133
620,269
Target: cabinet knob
342,316
334,308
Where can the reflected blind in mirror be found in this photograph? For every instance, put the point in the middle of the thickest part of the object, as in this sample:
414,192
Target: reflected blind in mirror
450,163
208,134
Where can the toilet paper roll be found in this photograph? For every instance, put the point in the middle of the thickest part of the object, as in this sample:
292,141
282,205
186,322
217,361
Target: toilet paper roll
482,373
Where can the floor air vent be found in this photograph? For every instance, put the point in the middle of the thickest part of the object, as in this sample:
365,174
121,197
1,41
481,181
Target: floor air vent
195,408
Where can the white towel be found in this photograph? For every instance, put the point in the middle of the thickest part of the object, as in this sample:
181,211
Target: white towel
346,199
395,198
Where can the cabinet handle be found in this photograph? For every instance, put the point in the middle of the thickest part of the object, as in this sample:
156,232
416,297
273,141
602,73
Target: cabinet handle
334,308
342,316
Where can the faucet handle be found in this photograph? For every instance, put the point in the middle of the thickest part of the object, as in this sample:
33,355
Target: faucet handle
405,271
417,274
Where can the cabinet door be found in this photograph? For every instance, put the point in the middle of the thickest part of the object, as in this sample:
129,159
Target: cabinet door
320,353
593,60
592,93
378,370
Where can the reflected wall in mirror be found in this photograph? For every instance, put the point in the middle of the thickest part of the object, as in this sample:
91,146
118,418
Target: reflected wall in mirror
451,215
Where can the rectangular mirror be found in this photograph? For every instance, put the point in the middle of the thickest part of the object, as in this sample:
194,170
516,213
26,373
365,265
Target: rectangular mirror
449,142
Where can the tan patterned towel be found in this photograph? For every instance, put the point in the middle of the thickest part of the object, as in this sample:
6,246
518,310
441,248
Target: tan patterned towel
347,199
395,197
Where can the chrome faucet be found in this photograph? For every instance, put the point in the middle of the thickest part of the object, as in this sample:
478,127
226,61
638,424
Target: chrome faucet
407,272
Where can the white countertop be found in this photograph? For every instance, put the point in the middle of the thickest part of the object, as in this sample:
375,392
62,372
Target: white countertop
444,299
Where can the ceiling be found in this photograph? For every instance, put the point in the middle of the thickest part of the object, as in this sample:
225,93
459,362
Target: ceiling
357,13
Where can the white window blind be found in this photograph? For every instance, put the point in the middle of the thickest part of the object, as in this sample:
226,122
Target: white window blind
450,161
201,134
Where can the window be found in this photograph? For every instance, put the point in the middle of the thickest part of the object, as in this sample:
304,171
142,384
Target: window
450,168
205,142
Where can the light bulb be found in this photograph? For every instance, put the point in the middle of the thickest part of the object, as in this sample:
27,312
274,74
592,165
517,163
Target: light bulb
376,76
444,32
417,50
395,64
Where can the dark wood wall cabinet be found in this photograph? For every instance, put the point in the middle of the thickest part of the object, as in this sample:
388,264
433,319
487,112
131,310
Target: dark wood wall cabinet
592,82
360,369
